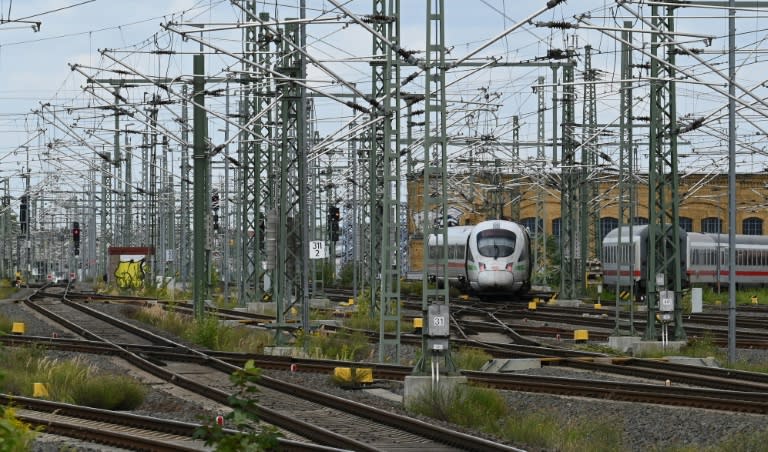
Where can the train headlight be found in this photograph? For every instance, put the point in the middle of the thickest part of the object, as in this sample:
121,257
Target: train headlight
509,267
481,267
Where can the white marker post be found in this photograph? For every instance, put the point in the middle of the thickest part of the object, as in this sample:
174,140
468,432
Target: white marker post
317,249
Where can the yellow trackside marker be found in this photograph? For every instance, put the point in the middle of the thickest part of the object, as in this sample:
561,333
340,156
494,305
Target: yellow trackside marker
754,299
351,301
464,297
17,328
580,335
39,390
418,322
598,306
354,374
532,305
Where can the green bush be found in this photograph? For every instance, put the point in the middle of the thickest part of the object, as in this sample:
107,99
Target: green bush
14,434
249,435
101,392
470,358
6,324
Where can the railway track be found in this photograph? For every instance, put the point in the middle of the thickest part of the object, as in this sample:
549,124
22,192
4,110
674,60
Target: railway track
732,383
750,333
724,389
314,415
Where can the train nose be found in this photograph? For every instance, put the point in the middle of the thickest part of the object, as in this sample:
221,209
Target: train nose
491,279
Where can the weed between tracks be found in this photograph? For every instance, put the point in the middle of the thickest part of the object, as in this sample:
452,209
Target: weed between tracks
208,332
486,410
72,381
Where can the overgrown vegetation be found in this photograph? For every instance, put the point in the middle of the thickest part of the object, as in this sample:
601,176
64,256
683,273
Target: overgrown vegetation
208,332
15,435
6,324
344,345
486,410
470,358
71,381
714,298
6,288
250,436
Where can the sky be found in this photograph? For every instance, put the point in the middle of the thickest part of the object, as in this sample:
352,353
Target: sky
35,74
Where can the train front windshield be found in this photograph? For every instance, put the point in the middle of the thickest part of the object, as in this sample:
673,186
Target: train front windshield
496,243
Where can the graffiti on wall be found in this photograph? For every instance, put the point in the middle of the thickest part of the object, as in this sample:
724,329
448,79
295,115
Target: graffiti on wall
130,271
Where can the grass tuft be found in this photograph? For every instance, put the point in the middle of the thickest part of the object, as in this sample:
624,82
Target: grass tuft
470,358
208,332
487,410
99,392
71,381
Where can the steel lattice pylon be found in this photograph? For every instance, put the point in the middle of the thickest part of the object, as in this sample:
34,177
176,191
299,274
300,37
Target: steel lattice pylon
569,213
289,275
589,214
663,194
435,221
386,144
627,195
540,236
256,153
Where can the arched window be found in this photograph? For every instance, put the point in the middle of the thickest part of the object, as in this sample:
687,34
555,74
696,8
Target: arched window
607,224
556,228
752,226
687,224
530,223
712,225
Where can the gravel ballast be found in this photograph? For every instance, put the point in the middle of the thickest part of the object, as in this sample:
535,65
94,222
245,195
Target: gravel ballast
643,426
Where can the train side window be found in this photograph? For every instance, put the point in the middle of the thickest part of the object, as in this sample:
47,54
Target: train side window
435,252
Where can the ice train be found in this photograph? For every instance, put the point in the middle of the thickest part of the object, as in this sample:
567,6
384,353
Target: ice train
491,258
704,257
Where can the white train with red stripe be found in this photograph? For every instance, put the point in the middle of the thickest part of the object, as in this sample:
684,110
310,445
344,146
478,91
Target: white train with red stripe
705,257
492,258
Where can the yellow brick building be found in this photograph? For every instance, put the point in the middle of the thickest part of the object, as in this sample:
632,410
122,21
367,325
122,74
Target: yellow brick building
703,206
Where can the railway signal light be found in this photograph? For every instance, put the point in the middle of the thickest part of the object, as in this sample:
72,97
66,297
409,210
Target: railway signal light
24,214
334,215
76,237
